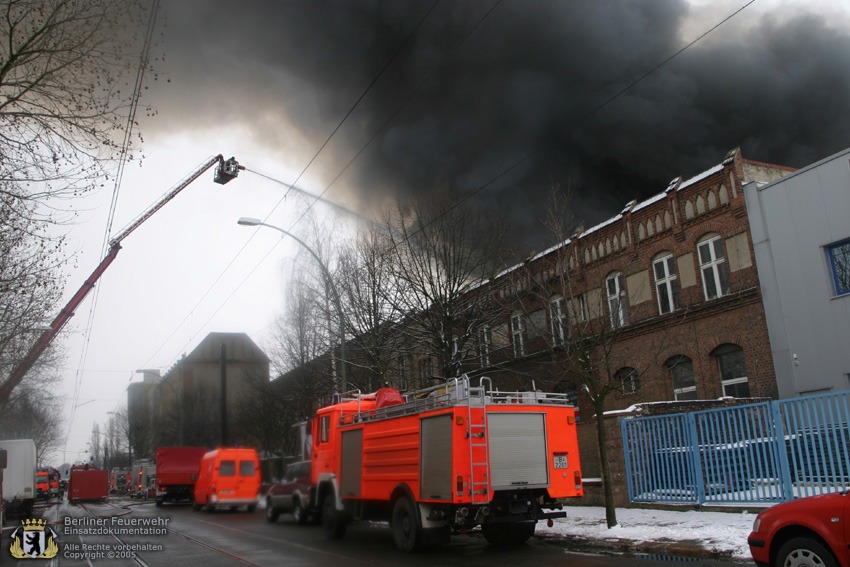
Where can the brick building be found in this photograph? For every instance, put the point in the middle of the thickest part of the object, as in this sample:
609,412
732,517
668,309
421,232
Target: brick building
665,297
659,303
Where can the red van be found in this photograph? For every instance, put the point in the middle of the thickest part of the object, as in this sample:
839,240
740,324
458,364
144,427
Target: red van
229,478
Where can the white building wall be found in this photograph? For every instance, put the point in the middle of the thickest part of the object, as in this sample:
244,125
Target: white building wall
792,221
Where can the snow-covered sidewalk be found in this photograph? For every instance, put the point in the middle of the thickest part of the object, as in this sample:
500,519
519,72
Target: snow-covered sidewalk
723,533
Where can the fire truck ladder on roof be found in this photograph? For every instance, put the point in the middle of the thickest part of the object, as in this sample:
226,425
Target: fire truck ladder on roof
479,450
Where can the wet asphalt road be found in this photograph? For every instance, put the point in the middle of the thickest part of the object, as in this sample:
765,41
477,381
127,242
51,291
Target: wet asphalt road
178,536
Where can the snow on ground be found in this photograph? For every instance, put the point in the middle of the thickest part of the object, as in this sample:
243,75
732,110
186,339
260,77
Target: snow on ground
724,532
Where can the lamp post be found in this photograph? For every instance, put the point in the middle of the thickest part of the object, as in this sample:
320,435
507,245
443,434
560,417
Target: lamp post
248,221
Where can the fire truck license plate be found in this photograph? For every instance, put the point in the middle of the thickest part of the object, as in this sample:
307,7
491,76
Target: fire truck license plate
560,462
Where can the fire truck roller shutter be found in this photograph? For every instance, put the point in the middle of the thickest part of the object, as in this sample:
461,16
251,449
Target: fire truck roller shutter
352,463
518,456
436,464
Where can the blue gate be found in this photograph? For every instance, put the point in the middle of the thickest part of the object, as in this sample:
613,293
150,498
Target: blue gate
766,452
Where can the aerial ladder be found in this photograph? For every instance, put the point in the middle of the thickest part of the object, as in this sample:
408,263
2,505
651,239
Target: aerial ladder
227,170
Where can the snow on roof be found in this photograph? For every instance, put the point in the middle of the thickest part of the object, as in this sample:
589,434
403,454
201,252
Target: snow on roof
701,176
612,220
601,225
650,201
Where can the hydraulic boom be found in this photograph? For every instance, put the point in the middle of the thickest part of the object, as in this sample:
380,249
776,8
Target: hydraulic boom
226,170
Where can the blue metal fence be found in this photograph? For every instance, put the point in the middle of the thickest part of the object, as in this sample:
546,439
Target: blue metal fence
766,452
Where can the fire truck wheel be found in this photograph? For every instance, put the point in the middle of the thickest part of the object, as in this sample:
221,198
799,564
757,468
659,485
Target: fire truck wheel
503,534
299,513
159,502
271,512
332,519
407,532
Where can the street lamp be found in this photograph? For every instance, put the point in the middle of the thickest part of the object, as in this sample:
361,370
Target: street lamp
248,221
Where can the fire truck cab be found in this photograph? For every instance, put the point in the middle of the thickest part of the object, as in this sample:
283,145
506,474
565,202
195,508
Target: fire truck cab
444,460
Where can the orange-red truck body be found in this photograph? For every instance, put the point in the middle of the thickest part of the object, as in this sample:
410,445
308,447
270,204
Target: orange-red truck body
463,455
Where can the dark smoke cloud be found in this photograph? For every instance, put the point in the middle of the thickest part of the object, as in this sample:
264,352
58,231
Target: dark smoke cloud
524,84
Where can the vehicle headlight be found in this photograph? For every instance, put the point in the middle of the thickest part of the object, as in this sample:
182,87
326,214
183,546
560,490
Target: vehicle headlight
756,524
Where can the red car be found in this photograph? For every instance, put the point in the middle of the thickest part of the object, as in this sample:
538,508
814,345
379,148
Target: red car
292,494
812,531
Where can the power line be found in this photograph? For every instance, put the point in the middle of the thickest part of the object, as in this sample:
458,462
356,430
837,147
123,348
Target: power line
595,110
144,59
380,73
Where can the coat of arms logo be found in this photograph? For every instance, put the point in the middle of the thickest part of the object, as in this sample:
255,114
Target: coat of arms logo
34,539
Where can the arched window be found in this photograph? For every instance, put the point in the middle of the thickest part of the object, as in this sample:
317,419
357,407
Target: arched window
628,379
733,371
681,370
666,282
618,305
713,266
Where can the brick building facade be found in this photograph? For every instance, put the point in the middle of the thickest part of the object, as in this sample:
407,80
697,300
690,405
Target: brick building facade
660,302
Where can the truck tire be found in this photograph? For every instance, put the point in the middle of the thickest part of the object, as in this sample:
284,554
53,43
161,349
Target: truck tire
159,502
802,551
333,520
407,531
508,533
271,512
299,513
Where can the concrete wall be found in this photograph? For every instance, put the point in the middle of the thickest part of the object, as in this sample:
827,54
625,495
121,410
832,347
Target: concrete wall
792,222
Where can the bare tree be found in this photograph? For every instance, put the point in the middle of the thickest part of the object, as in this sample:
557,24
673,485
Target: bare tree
30,284
118,438
65,99
266,415
441,254
33,412
372,295
65,92
586,333
301,342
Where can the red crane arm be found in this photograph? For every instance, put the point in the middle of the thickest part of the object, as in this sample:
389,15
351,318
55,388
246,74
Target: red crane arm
227,170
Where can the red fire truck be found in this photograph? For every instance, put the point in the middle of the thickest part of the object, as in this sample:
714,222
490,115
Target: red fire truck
444,460
87,483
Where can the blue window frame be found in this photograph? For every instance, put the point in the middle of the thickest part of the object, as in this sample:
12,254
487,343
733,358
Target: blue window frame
839,261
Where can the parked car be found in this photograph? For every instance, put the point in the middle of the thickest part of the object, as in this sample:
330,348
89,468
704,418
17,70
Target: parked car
292,494
808,531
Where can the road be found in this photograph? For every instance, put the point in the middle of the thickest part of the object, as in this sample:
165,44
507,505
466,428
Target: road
176,535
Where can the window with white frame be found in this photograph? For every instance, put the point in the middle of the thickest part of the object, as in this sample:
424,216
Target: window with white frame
485,340
666,283
839,263
733,372
615,287
518,334
628,379
681,370
715,270
581,308
558,318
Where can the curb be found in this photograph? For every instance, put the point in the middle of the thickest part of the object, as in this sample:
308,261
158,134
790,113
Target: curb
666,549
